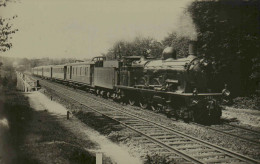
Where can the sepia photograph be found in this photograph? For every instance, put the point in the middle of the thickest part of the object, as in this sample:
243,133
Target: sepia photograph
129,81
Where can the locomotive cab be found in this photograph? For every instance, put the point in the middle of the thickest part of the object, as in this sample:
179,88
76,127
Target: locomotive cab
131,71
98,61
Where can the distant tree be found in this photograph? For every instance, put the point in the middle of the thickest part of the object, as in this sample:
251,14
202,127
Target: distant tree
147,47
5,30
140,46
179,43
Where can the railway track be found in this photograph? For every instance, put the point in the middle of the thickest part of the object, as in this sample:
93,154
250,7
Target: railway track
244,134
159,138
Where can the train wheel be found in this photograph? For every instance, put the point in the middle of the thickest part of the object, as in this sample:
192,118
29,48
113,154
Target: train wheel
131,101
113,96
102,93
143,104
153,108
97,92
108,95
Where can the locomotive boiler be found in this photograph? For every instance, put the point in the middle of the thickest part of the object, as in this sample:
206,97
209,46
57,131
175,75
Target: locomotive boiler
179,87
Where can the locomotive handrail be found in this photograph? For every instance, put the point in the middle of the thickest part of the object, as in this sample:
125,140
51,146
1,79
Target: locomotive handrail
172,93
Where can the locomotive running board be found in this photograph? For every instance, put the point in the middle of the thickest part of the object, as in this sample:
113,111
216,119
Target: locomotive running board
172,93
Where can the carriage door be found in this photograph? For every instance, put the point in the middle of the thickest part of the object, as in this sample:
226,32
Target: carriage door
65,72
70,71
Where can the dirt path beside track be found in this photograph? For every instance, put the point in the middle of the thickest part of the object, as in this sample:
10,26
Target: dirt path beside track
115,153
34,129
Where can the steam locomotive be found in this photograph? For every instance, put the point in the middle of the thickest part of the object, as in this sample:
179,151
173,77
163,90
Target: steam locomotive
177,87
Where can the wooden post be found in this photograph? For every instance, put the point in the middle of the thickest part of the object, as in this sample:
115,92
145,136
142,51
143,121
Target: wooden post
98,158
68,115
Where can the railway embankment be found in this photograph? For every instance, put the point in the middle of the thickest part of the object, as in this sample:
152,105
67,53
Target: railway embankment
85,137
31,132
116,133
29,135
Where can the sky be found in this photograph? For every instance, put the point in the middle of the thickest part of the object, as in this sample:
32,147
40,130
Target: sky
87,28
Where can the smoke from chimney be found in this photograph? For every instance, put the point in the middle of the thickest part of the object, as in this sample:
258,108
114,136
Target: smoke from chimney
185,26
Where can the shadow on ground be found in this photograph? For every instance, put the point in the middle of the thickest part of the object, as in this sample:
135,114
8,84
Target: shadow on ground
30,136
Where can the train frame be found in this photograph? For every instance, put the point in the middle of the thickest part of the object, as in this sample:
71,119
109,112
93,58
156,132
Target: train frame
167,87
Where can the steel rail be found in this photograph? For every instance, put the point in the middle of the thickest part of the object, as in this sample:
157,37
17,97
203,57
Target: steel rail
185,156
226,151
230,134
250,130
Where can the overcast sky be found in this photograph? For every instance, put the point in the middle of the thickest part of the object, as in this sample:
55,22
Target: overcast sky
86,28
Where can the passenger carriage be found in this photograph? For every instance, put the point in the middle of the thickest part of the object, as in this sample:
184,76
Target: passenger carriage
80,73
34,71
58,72
46,71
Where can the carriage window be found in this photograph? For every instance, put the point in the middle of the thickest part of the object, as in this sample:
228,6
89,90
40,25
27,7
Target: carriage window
73,70
85,70
80,71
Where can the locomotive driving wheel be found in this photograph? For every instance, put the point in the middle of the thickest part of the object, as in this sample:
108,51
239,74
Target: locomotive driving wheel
143,104
97,92
155,108
131,101
108,94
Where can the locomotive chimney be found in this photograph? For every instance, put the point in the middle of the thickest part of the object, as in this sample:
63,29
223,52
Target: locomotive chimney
192,48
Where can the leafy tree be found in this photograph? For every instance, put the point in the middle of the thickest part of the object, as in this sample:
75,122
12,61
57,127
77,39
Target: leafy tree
5,30
140,46
229,36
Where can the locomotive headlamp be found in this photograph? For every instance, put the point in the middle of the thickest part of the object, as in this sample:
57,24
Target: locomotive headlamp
195,92
225,91
226,95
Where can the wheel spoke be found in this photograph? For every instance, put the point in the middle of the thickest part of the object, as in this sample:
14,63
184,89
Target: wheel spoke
143,104
131,102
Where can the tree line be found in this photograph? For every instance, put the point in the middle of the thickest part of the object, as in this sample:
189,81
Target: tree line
228,37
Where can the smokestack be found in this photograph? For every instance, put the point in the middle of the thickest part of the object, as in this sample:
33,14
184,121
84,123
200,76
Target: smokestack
192,48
